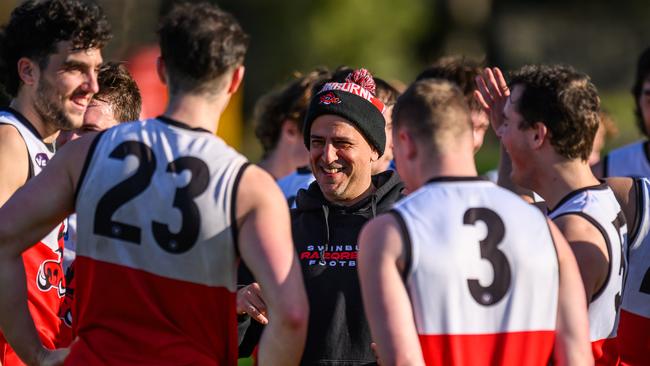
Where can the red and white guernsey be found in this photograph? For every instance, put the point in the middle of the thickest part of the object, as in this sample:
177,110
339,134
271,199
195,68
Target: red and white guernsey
156,257
634,327
43,271
598,205
483,276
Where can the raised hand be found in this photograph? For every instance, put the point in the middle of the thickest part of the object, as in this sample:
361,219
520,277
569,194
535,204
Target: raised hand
492,94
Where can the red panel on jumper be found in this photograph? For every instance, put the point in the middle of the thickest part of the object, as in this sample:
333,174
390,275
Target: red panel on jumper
504,349
126,316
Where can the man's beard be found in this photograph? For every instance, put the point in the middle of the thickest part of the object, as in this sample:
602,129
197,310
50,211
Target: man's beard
49,106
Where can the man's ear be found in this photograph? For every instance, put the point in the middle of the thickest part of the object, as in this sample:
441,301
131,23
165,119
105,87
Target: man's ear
538,134
160,68
28,71
236,79
374,156
290,130
407,143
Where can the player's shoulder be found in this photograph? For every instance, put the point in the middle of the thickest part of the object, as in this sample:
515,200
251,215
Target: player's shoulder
579,227
386,227
11,141
256,182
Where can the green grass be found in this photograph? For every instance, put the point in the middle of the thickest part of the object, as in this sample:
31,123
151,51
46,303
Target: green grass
245,362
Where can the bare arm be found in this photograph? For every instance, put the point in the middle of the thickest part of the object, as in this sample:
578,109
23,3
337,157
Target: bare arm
626,194
590,250
385,298
14,162
267,248
572,342
32,212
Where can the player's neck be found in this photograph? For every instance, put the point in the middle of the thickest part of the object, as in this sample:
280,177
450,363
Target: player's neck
25,105
446,166
196,110
561,178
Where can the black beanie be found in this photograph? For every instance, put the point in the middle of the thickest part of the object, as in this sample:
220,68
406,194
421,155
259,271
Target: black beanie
353,100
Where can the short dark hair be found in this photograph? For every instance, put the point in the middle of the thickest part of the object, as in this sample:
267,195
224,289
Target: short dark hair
385,92
199,43
290,102
565,100
433,110
35,28
642,74
459,70
117,88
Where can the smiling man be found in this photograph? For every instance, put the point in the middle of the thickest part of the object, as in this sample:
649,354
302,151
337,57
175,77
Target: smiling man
157,286
344,131
50,55
118,100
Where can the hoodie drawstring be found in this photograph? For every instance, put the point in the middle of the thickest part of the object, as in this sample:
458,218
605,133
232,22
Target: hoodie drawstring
326,213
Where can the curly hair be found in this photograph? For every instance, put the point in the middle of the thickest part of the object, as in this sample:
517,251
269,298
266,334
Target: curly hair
117,87
459,70
36,27
565,100
288,102
199,43
642,75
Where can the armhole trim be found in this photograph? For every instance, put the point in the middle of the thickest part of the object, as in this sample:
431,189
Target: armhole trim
633,231
407,247
609,250
84,170
233,207
557,256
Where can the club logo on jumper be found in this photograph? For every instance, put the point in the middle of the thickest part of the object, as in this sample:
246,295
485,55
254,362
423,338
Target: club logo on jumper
329,98
65,311
50,275
41,159
332,256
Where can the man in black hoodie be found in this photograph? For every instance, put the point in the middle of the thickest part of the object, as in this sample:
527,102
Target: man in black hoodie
344,132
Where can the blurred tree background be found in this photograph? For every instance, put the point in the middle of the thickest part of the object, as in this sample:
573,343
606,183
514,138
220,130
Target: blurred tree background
396,39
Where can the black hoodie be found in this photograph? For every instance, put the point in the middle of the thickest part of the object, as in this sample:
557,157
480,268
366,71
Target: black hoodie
325,236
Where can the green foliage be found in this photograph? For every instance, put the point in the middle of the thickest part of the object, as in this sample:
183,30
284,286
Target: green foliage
380,35
620,105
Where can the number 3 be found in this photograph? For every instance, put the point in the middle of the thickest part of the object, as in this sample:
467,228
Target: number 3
491,294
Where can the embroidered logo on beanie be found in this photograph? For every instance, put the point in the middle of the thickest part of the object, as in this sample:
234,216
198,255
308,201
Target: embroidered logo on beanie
329,98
